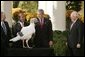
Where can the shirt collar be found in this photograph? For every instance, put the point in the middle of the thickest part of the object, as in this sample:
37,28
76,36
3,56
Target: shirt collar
75,21
2,22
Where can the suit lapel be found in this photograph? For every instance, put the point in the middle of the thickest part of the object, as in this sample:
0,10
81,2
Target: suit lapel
2,31
5,27
74,25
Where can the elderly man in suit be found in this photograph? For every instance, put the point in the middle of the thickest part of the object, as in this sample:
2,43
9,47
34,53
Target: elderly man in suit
5,34
75,35
44,34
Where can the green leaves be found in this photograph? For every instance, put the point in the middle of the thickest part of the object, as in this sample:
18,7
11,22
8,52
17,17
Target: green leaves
73,5
59,39
28,6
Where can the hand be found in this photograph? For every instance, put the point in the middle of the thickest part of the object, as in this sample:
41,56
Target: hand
50,43
78,45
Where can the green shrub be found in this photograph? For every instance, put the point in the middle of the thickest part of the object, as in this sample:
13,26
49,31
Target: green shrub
59,39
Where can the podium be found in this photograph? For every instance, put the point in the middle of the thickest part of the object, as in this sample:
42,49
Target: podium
30,52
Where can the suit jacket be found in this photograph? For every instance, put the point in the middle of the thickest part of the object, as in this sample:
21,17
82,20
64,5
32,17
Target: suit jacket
75,34
17,28
5,38
43,35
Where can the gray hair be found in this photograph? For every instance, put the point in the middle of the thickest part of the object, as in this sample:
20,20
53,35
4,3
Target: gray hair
41,10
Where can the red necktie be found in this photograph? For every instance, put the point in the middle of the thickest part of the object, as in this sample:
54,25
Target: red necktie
41,23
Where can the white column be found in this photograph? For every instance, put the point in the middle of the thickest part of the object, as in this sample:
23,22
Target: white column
59,17
42,5
56,10
7,8
1,5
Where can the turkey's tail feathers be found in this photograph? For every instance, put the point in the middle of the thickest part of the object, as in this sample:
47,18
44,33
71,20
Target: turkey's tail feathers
15,39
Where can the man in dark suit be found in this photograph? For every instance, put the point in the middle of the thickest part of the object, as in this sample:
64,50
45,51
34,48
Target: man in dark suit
5,34
17,28
44,34
75,35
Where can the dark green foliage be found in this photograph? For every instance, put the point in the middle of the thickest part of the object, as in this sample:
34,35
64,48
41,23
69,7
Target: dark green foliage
59,39
15,4
73,5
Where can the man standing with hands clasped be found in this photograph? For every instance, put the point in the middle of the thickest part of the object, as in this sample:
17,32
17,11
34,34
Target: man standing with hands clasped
75,35
44,34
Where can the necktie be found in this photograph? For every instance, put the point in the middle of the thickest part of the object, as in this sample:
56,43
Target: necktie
41,23
4,28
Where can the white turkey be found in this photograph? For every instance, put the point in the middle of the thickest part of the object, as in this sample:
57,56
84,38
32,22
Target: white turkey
26,33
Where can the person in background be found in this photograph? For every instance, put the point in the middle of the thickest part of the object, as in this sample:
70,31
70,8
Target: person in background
75,36
5,34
